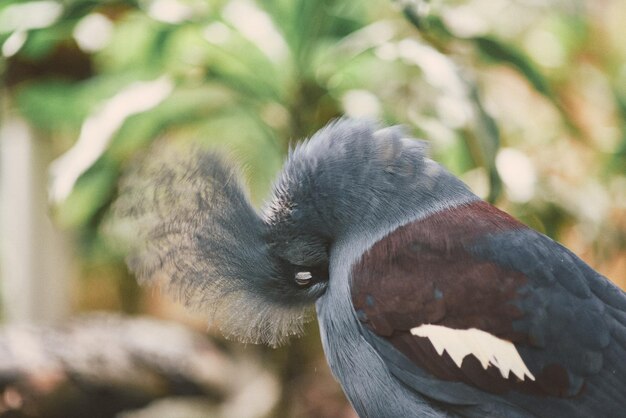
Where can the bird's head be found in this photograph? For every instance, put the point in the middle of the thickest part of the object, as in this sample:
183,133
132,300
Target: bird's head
257,274
348,177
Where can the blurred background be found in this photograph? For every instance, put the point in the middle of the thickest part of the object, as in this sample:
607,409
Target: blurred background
525,100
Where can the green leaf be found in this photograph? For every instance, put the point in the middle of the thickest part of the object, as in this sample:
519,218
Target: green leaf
52,105
250,142
508,54
488,140
92,192
136,45
186,106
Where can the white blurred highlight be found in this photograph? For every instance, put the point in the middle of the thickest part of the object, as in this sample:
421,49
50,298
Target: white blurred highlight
453,112
93,32
387,52
30,15
360,104
14,43
592,202
169,11
257,395
454,106
478,180
465,21
545,48
98,130
371,36
257,27
216,33
438,70
518,174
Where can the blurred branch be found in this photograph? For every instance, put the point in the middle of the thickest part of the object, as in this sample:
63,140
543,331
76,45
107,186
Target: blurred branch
488,140
508,54
100,365
429,25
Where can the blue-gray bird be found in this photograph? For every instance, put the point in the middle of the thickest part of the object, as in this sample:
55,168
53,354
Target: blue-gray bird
430,301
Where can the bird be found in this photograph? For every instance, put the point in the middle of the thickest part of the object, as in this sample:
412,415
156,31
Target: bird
430,301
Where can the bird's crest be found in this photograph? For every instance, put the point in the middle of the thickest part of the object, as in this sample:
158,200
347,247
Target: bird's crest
191,229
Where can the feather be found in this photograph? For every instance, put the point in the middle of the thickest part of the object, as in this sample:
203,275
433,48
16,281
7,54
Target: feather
488,349
190,228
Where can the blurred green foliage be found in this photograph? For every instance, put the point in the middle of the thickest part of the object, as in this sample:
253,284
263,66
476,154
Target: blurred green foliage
253,77
526,101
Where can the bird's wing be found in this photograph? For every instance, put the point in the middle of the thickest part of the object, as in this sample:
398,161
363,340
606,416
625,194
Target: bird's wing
469,307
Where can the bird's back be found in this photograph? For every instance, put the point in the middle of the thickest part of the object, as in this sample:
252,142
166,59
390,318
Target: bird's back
482,315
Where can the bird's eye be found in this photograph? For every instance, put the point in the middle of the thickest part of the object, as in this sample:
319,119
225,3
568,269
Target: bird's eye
303,278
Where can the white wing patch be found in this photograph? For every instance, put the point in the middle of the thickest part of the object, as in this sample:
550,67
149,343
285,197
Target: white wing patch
487,348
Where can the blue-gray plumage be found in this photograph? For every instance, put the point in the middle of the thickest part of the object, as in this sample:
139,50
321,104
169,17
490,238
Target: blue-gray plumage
431,302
